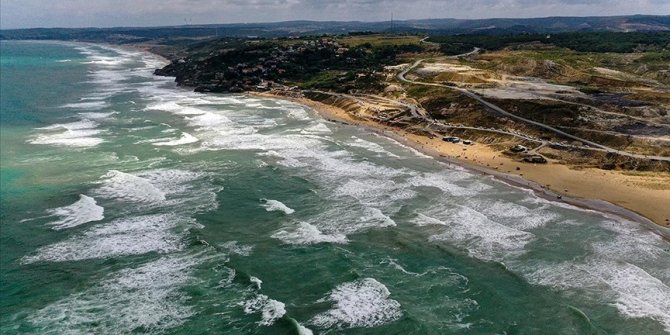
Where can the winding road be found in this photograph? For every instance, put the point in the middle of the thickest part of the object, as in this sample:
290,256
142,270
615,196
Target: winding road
490,106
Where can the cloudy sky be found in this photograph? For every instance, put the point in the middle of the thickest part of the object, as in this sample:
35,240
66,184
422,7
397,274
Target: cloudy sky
106,13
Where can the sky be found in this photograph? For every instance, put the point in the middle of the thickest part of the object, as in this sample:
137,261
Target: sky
113,13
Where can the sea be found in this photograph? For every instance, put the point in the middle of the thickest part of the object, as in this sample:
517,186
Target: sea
133,206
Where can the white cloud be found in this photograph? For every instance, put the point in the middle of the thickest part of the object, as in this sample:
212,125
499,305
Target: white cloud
105,13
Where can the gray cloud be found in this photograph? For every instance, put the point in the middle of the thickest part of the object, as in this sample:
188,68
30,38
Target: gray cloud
106,13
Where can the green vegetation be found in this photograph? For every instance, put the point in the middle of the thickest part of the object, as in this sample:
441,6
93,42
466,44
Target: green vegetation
418,91
314,63
577,41
378,40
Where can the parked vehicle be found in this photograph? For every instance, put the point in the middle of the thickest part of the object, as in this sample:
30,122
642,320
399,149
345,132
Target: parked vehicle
519,148
451,139
537,159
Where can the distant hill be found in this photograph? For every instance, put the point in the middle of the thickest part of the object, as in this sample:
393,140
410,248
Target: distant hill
548,24
634,23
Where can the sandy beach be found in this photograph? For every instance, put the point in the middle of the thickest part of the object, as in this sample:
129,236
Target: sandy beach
637,196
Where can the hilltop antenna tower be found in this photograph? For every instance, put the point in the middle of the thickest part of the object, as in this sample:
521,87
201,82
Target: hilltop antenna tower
392,22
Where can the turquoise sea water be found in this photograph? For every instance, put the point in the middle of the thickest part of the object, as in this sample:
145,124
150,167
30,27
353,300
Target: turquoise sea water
130,206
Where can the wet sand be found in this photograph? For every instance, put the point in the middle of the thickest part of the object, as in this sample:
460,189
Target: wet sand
642,197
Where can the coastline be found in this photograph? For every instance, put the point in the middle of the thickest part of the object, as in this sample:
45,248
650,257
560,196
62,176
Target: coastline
606,192
150,222
591,189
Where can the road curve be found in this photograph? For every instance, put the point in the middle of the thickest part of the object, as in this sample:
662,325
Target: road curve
401,77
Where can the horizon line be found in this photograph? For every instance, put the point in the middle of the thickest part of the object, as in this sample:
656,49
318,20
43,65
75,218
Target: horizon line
336,21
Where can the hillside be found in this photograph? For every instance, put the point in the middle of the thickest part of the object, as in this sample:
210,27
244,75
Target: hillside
495,26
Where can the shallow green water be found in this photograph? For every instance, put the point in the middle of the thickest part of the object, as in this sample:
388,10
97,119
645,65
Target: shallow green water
132,206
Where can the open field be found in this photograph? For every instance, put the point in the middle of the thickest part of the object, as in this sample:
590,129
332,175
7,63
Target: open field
379,40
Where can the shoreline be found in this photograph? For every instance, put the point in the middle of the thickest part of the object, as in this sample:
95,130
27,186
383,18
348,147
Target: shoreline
597,203
436,150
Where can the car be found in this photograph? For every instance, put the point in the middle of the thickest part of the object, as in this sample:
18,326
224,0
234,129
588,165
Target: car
535,159
519,148
451,139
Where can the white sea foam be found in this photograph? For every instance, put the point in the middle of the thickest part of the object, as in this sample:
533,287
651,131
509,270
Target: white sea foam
515,215
373,217
370,146
257,121
425,220
241,136
128,187
304,233
109,82
81,124
633,291
87,105
642,296
182,191
302,330
270,310
201,100
633,243
105,61
372,191
173,181
97,115
208,120
361,303
335,165
319,128
146,298
129,236
84,50
175,108
340,219
298,113
75,134
256,282
445,181
234,247
483,238
83,211
185,138
186,191
276,205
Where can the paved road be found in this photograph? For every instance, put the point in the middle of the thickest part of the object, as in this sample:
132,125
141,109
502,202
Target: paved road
421,114
433,44
473,52
413,109
490,106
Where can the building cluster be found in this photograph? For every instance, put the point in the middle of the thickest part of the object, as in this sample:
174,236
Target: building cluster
261,73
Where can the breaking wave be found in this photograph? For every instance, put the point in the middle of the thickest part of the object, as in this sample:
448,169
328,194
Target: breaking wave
83,211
